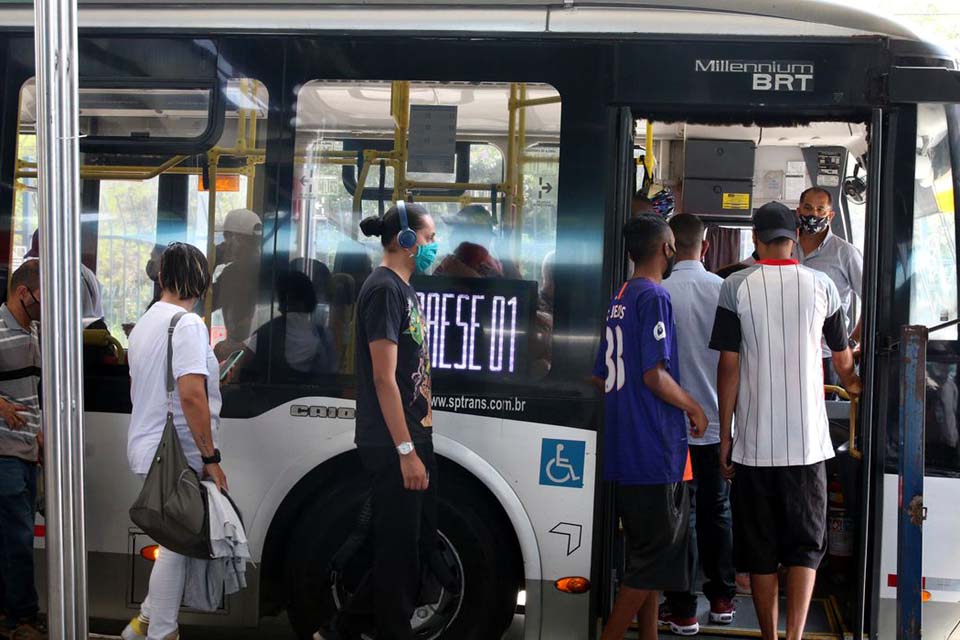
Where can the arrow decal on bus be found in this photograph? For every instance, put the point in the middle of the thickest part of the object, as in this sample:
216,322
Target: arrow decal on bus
574,533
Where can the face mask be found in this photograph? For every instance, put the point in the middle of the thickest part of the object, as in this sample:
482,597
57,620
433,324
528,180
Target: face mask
671,263
33,309
426,254
812,225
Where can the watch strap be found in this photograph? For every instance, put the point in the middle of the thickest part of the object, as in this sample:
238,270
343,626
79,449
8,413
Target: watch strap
214,459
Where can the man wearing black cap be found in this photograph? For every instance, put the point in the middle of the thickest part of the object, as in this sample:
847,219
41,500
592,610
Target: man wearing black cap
768,328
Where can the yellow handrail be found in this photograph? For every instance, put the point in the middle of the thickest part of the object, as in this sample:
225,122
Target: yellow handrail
852,446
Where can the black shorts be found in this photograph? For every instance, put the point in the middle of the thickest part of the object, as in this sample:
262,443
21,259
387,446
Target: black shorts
656,521
779,517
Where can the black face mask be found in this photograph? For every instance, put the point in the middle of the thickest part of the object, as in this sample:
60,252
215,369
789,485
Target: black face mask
34,306
812,225
671,263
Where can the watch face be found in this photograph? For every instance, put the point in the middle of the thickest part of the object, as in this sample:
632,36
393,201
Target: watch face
405,448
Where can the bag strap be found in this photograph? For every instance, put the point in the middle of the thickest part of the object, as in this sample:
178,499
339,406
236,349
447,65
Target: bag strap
173,325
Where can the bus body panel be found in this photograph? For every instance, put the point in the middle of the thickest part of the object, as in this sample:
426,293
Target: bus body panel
507,456
941,571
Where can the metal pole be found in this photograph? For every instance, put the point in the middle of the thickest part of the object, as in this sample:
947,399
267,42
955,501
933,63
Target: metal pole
61,330
911,512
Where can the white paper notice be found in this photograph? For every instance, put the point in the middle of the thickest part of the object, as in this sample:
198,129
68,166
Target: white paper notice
796,168
433,139
828,180
793,186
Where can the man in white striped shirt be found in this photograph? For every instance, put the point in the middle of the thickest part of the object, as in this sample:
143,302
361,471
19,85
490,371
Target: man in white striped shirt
768,328
20,438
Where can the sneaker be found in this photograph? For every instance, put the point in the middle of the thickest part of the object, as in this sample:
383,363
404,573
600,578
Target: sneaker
722,610
681,626
136,629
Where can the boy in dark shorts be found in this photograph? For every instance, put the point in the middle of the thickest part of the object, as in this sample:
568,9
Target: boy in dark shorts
645,448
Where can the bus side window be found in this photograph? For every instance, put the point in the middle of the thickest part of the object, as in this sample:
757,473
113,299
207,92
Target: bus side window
934,279
493,198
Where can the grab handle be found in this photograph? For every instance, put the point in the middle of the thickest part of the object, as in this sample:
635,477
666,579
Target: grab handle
855,453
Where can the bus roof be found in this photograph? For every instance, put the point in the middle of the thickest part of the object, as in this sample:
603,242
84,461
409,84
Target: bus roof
805,18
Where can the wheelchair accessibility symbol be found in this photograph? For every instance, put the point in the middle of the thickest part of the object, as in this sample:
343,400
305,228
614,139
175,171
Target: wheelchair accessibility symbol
561,463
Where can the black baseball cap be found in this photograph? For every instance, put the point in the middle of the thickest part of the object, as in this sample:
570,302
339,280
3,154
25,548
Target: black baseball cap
774,220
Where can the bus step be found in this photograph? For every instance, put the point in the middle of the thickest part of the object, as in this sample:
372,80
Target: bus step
822,622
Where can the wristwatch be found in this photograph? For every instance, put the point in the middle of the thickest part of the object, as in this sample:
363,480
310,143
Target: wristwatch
405,448
214,459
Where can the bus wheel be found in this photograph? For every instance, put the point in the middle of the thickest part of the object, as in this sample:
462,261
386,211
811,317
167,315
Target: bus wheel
471,552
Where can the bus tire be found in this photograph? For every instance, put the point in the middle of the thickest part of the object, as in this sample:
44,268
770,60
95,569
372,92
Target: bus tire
490,574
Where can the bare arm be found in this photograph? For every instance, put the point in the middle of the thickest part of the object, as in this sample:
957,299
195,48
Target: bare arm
383,355
728,386
857,330
843,363
662,384
196,409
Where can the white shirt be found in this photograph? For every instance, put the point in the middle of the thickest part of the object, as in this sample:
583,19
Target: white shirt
774,314
147,357
843,264
695,292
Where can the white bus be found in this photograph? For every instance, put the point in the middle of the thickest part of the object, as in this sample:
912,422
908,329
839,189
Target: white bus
314,115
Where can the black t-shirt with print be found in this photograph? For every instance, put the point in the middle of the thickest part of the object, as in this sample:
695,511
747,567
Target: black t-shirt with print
388,309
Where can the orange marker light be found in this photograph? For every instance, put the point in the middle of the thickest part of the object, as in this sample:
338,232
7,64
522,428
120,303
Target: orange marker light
573,584
227,183
150,553
925,596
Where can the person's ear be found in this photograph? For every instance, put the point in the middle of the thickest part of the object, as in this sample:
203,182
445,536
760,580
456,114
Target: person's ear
704,247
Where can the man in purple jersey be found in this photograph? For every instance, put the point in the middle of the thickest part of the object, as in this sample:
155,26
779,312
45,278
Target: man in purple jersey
645,447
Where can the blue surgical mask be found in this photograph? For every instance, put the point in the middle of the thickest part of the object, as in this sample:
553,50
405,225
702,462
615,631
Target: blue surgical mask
426,254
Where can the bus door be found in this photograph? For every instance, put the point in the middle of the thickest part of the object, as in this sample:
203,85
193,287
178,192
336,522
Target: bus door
911,273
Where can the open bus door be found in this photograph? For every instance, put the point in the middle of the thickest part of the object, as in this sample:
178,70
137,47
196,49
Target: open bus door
909,567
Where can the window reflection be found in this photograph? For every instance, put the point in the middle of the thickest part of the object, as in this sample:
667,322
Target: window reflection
491,186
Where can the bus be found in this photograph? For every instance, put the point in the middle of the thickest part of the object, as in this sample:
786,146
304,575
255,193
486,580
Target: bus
526,120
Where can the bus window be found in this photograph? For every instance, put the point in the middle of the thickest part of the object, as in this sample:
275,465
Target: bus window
134,205
933,297
933,288
126,231
494,199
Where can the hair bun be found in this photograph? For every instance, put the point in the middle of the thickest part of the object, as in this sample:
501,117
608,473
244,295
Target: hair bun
372,226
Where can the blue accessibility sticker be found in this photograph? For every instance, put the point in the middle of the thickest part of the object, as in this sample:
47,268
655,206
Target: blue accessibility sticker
561,462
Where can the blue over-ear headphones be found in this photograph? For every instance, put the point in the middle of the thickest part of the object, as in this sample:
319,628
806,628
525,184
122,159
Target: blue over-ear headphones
407,238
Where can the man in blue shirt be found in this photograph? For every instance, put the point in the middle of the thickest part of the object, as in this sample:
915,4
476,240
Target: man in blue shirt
645,448
694,292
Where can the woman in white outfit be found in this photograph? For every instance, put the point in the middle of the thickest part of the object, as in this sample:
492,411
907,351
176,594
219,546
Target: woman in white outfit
184,278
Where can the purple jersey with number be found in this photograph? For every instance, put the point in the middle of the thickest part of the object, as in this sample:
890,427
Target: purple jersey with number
645,438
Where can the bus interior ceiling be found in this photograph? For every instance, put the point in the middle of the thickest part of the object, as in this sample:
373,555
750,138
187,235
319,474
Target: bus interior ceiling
778,162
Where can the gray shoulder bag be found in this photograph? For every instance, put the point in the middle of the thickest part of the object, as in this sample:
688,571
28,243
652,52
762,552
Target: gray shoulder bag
172,505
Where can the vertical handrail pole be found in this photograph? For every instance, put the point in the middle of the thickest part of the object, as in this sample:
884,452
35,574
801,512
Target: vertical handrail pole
61,330
910,510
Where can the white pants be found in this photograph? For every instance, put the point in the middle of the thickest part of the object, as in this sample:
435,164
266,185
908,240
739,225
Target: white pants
165,594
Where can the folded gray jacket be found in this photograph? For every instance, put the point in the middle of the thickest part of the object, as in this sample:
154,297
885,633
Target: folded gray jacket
209,581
